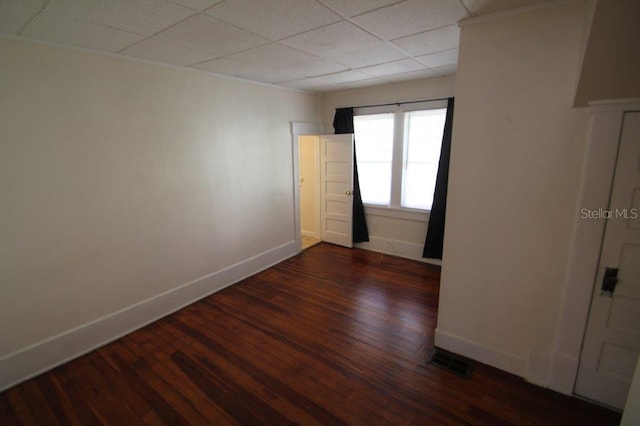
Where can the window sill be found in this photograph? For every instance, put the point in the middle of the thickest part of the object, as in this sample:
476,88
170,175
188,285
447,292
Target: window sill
397,213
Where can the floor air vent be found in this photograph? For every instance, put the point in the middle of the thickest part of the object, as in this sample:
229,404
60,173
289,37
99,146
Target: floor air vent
451,362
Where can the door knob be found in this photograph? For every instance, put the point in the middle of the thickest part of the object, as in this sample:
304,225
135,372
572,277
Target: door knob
348,192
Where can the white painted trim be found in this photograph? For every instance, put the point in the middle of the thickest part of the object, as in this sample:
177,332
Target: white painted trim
310,234
42,356
597,179
564,369
299,129
398,248
481,353
538,368
397,213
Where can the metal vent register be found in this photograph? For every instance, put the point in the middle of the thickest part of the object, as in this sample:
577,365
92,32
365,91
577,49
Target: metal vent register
451,362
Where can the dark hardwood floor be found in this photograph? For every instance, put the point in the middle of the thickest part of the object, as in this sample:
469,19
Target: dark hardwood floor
331,336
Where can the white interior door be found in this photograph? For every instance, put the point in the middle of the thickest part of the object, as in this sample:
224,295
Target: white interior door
612,340
336,181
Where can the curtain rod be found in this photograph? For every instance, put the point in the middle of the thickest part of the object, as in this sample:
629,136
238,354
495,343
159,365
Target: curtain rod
401,103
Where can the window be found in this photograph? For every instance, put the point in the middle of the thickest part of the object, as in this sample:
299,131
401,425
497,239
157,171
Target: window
397,155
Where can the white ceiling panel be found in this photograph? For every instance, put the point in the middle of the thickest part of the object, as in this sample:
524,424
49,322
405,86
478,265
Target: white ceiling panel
268,75
430,41
14,14
198,5
272,55
447,57
413,75
333,38
350,8
316,67
140,16
274,19
222,66
308,44
327,80
212,35
406,65
411,17
363,83
168,51
77,33
373,54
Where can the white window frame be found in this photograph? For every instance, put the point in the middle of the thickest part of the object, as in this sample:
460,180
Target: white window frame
395,208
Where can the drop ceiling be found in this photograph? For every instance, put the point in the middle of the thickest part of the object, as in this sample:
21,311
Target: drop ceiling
316,45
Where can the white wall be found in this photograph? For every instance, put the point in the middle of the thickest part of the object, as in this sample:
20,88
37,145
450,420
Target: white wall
125,182
309,186
517,152
391,232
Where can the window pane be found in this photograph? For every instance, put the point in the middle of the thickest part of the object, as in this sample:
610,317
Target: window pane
374,151
423,138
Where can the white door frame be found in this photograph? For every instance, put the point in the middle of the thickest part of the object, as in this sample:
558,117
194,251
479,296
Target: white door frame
597,179
300,129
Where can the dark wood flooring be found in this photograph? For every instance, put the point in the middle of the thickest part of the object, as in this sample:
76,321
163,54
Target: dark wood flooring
331,336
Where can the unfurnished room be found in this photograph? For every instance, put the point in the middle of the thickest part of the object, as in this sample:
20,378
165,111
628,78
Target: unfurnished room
360,212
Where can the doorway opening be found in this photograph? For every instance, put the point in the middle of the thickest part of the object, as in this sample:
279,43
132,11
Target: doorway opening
309,185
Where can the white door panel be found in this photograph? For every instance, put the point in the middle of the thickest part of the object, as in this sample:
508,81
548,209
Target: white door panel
612,340
336,177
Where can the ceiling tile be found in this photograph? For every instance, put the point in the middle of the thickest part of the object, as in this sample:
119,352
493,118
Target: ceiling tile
373,54
447,57
333,38
364,83
72,32
336,78
164,50
212,35
140,16
272,55
199,5
14,14
430,41
397,67
222,66
267,75
411,17
350,8
274,19
316,67
413,75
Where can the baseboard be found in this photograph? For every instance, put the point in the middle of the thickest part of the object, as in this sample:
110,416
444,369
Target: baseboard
539,369
309,234
398,248
43,356
481,353
564,370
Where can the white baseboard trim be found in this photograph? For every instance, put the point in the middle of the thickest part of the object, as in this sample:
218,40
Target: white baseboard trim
398,248
539,369
564,370
47,354
481,353
309,234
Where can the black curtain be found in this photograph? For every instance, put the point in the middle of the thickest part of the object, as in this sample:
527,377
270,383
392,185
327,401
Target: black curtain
343,123
435,229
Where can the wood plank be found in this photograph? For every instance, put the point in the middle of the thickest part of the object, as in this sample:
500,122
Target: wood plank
331,336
